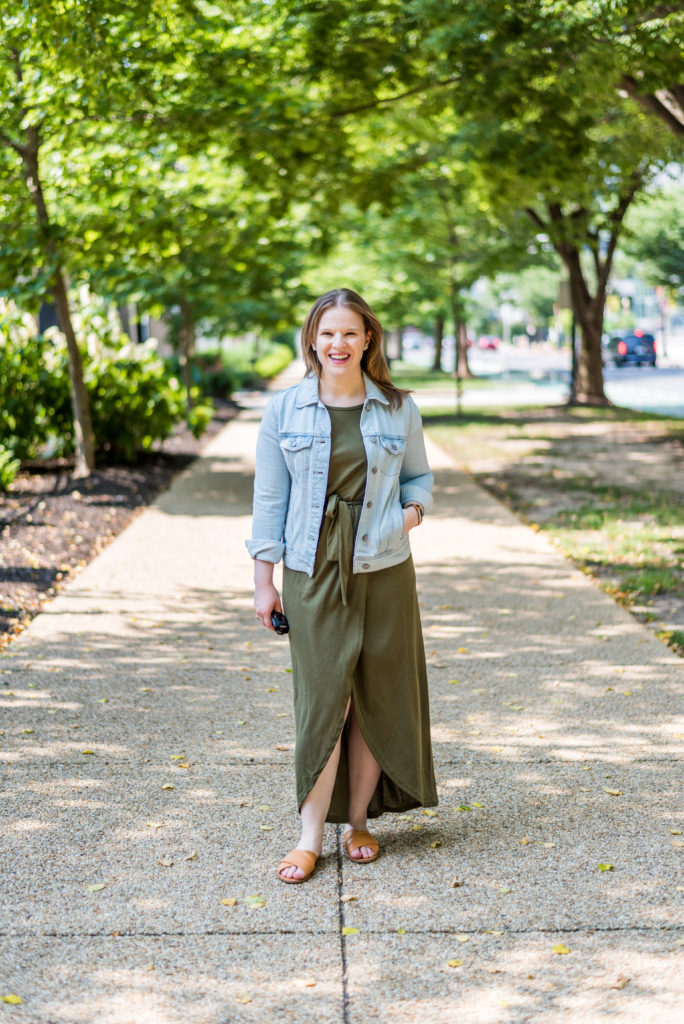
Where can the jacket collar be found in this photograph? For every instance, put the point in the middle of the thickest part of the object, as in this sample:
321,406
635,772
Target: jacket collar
307,391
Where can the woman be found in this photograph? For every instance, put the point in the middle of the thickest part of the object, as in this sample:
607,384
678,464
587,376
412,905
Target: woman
341,478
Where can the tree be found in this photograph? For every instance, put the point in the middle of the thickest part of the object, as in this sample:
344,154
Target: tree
81,81
655,237
526,85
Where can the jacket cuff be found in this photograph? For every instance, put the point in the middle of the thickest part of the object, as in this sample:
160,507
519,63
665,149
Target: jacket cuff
266,550
414,492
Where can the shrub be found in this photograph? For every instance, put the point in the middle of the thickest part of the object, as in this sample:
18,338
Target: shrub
9,467
134,400
271,364
35,404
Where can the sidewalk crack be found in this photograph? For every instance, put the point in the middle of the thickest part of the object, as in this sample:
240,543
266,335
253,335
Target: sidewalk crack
343,940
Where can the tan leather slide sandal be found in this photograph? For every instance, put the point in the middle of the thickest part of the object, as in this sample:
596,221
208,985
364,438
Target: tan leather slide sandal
354,839
305,860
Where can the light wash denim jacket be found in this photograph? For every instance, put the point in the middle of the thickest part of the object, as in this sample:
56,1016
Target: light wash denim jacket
290,483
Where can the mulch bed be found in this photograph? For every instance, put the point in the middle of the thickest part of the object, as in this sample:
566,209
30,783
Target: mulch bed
52,525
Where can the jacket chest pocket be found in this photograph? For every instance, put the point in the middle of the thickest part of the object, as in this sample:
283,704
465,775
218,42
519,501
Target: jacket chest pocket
296,449
391,451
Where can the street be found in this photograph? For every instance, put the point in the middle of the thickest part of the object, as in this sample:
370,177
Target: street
541,376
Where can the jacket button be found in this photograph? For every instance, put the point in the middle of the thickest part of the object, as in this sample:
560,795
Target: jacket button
394,447
369,504
365,537
365,565
374,469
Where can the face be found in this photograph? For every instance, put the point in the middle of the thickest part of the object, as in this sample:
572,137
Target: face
341,340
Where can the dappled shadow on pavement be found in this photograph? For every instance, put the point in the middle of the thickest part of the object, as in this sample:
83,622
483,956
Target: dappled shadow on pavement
148,745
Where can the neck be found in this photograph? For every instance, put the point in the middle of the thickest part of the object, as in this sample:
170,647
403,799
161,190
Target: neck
342,392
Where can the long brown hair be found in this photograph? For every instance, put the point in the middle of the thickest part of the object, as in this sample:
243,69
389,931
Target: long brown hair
373,362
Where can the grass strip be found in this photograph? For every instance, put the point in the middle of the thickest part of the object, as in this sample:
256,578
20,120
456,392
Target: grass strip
606,485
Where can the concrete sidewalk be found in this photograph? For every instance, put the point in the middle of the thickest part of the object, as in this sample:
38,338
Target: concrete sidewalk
148,792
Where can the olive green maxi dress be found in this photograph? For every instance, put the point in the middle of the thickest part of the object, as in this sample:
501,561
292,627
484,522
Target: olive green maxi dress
360,635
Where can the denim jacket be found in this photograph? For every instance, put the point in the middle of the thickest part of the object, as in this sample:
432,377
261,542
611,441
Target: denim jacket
290,483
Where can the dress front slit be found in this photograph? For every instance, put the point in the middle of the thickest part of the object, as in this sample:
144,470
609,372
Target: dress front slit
358,635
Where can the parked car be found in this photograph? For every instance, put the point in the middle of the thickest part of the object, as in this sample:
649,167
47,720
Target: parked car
632,347
488,341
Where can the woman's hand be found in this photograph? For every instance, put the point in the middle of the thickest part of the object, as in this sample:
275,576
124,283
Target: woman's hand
411,518
266,601
266,597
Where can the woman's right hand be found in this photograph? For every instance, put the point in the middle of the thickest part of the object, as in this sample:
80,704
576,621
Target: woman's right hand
266,601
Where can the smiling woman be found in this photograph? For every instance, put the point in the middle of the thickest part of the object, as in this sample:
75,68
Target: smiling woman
341,478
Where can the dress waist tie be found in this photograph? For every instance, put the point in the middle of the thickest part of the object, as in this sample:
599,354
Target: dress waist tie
340,540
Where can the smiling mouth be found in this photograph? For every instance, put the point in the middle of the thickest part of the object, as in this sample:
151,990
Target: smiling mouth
338,358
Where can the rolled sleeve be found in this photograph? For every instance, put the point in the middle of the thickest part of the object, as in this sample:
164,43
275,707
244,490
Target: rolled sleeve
416,478
271,491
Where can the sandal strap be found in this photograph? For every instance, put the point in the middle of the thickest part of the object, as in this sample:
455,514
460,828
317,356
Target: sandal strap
305,860
357,838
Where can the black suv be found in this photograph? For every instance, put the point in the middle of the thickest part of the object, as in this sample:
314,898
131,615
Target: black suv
633,347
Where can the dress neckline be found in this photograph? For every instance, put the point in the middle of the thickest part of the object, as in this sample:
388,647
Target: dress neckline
344,408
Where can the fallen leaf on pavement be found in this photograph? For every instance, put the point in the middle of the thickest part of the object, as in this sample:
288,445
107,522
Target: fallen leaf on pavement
165,862
230,901
456,884
437,843
191,856
612,792
677,843
675,831
524,841
12,999
350,931
266,828
606,867
255,901
167,785
401,931
462,938
620,982
560,948
245,998
348,898
98,887
454,963
155,824
429,813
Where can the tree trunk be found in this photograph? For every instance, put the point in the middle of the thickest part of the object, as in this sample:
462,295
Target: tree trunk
569,232
439,341
461,368
83,429
588,387
84,438
187,348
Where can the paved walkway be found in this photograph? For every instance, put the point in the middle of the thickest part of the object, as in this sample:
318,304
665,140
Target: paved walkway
148,793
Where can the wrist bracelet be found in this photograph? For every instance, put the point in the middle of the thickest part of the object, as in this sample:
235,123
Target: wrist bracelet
418,507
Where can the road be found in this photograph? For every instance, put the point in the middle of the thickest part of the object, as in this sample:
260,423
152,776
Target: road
537,376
